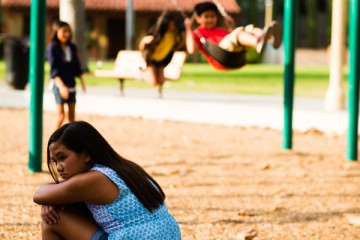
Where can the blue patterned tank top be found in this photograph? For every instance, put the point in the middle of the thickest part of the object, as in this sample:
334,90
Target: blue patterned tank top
127,218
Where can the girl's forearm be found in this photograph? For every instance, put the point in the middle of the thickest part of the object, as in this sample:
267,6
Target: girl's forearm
83,85
42,195
190,42
145,41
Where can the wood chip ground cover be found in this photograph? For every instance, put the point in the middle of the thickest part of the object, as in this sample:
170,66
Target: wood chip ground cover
219,181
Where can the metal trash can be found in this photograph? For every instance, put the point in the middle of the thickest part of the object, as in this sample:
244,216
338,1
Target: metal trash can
16,56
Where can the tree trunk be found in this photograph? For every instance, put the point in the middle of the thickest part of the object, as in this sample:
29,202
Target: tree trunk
253,12
329,20
73,12
249,11
311,22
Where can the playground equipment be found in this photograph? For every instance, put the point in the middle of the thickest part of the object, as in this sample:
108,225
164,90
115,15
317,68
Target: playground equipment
36,79
37,32
230,60
289,61
354,78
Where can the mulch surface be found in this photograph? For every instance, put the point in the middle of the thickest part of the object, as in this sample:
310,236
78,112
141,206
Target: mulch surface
219,181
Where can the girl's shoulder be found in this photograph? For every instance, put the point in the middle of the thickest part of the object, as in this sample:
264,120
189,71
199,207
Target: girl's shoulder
102,168
107,171
110,173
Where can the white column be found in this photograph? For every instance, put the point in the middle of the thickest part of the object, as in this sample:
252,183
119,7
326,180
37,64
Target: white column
268,11
130,24
335,97
73,12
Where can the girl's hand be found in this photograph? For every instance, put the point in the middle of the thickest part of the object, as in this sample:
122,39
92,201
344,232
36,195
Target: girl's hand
145,41
83,85
83,88
148,39
49,214
64,92
188,22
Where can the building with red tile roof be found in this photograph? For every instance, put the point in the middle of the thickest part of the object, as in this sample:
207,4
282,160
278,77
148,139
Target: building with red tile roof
105,19
120,5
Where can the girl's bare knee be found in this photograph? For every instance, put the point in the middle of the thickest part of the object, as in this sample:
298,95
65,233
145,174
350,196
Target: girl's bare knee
47,228
44,226
70,225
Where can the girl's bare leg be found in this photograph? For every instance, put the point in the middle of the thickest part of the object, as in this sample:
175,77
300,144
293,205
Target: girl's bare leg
60,115
71,112
247,39
160,79
151,75
258,32
272,32
71,226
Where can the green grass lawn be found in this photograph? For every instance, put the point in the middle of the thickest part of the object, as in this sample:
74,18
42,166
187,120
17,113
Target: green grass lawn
252,79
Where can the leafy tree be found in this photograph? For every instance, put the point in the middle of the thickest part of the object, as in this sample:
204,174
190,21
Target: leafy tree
249,10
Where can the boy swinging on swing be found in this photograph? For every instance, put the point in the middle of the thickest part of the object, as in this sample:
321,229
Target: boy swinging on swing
233,40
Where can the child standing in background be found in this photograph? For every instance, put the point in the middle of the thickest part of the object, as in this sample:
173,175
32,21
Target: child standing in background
64,68
158,48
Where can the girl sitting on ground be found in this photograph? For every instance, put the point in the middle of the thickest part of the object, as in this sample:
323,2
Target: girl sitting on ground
125,202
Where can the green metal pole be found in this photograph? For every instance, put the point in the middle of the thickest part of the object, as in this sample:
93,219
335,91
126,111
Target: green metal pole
36,78
290,19
354,78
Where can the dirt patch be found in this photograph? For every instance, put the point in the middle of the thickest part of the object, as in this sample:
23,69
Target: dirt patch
219,180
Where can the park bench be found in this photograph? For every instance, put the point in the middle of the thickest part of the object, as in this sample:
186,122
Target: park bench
130,64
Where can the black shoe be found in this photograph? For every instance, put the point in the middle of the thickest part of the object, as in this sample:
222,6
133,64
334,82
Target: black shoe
277,34
261,45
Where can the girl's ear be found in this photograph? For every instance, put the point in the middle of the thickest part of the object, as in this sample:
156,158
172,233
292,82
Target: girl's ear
87,157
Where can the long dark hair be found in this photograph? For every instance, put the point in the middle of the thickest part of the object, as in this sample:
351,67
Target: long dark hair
55,27
159,29
81,137
205,6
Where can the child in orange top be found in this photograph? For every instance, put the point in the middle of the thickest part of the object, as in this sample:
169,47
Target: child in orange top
207,14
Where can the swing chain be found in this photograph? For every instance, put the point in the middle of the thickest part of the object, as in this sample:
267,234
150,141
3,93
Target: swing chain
178,7
221,8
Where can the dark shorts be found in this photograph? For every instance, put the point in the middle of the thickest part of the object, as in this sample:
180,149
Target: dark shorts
164,62
60,100
99,234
